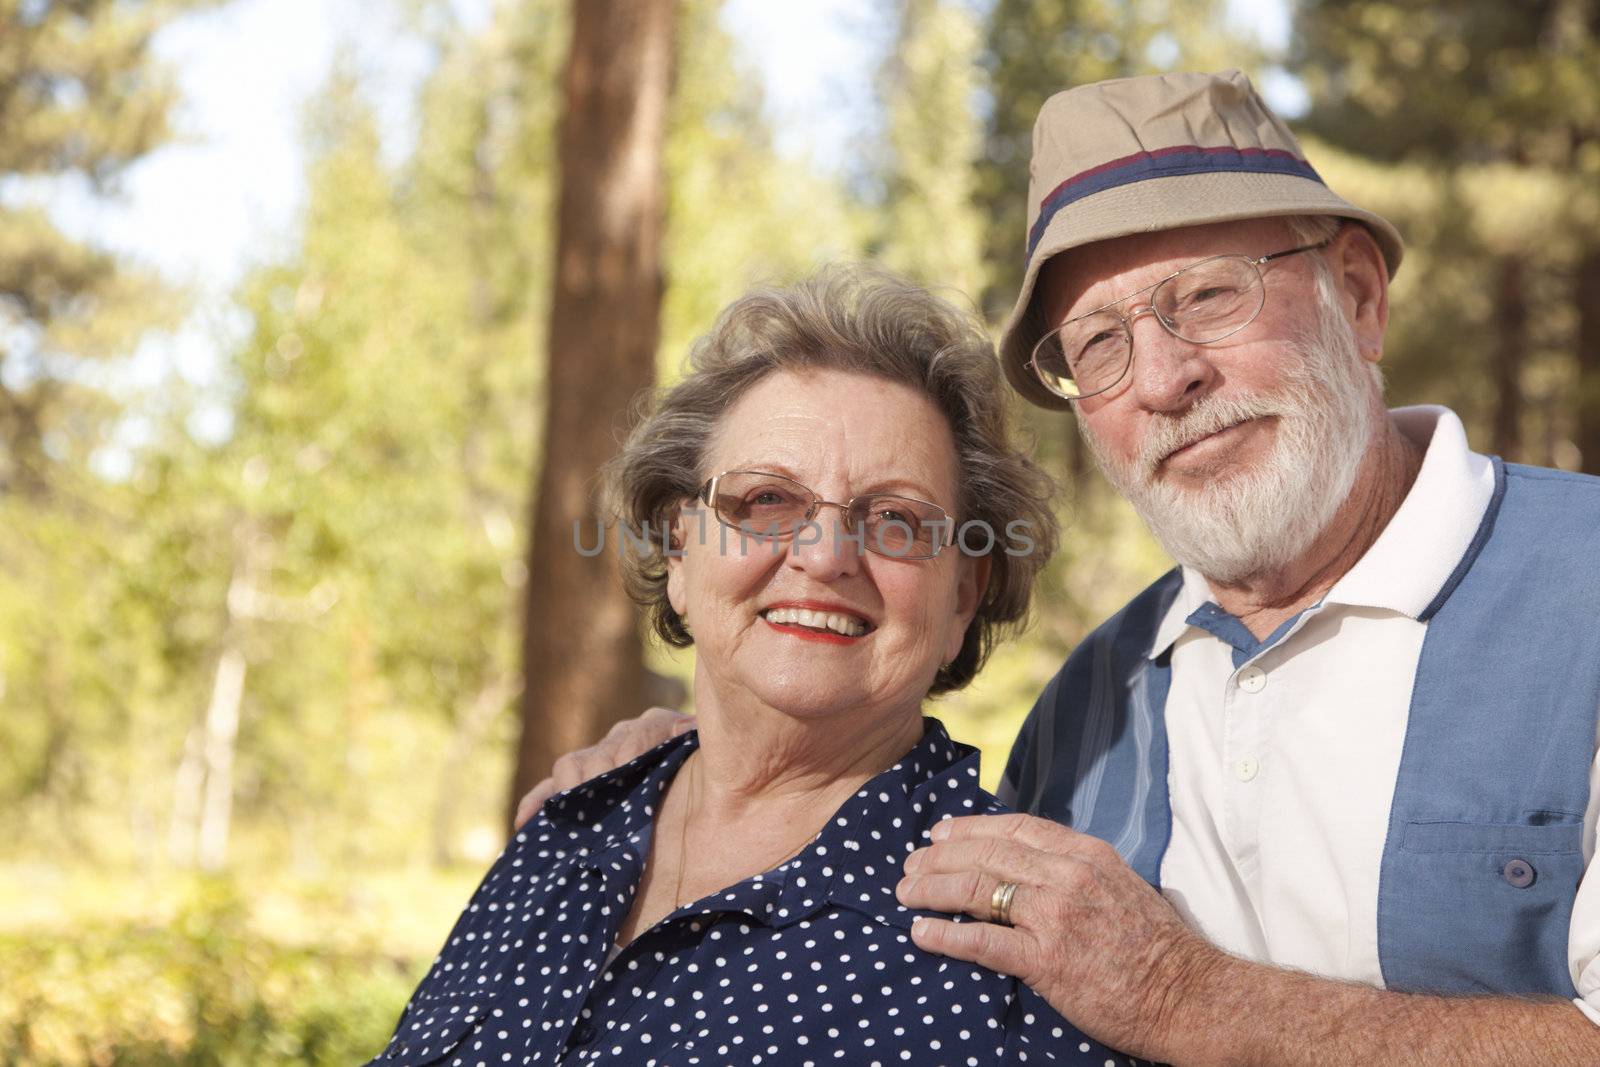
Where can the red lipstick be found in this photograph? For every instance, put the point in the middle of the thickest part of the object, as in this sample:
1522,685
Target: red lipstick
808,634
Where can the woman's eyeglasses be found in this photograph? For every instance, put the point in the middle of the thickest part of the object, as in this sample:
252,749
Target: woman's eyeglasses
770,506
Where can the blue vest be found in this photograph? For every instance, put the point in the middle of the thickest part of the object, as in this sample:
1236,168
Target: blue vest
1484,850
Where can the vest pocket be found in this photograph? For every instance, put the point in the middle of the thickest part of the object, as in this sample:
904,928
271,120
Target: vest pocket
1477,837
1468,907
433,1027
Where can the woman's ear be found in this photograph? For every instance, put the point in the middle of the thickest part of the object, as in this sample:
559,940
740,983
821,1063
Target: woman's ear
971,585
1362,281
673,551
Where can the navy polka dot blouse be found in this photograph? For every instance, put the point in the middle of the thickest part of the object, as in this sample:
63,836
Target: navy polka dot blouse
810,963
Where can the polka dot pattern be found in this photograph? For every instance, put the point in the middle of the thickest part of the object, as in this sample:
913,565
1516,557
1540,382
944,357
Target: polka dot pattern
808,964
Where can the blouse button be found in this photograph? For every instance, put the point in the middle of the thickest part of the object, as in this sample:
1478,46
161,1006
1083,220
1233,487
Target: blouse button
1518,873
583,1033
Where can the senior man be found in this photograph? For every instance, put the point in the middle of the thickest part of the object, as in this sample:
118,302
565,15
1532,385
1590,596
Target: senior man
1326,793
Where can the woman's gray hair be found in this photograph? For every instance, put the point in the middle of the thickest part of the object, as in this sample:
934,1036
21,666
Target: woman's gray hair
861,321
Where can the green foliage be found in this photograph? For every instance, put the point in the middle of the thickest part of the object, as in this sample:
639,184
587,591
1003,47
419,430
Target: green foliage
937,225
356,537
1460,82
929,227
86,96
1478,127
203,989
83,99
1036,48
383,392
737,214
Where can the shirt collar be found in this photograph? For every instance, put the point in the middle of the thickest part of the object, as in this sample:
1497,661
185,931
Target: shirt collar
1440,515
1411,560
847,864
621,803
1193,594
871,834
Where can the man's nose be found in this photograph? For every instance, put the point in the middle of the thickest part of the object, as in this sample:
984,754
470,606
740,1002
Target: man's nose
1169,373
823,548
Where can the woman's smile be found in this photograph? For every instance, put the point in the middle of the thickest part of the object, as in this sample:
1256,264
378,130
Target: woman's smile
813,620
824,626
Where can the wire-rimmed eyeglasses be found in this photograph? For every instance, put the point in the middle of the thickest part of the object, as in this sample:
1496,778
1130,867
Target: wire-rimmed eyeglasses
771,506
1202,303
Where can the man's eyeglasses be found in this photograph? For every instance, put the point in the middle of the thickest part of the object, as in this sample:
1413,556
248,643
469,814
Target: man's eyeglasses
1202,304
770,506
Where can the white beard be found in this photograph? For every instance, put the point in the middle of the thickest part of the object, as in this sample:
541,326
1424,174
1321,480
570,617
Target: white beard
1258,520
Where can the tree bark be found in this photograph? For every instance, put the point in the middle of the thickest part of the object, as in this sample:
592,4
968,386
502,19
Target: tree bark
1586,294
187,787
582,658
1510,354
222,734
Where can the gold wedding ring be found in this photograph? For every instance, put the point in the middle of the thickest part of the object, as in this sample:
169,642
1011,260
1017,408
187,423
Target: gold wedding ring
1000,903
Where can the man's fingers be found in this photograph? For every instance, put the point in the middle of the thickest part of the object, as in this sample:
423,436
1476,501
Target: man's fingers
534,799
1008,860
632,738
959,892
676,719
568,770
625,741
1043,834
594,762
972,893
991,946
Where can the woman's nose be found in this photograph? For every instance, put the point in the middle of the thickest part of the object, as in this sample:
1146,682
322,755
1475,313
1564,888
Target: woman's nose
824,548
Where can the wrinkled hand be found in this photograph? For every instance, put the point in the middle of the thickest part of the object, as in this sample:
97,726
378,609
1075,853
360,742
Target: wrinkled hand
1089,935
625,741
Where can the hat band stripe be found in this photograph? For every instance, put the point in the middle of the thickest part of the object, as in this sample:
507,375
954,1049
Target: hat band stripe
1165,163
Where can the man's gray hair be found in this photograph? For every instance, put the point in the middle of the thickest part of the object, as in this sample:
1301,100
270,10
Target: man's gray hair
861,321
1309,230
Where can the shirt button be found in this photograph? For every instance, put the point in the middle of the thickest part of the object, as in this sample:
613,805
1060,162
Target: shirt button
1246,768
1252,679
583,1033
1519,873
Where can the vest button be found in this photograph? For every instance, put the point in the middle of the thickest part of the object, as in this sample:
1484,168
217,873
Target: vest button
1518,873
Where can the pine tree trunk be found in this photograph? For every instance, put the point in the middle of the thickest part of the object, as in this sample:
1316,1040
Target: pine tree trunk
1510,354
1586,294
188,786
582,659
222,733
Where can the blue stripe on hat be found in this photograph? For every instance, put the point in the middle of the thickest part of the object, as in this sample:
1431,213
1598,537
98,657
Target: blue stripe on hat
1165,163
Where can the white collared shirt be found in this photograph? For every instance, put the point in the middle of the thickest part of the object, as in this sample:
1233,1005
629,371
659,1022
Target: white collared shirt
1283,766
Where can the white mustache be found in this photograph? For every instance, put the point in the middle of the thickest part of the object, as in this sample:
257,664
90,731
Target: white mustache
1209,415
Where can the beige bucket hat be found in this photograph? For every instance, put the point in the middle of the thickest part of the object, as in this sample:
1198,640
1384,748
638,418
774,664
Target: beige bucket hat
1137,155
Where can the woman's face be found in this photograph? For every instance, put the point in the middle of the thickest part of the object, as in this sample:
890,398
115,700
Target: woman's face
842,435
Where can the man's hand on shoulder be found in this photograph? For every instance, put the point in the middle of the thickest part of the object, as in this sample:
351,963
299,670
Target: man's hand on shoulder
1109,953
627,740
1089,935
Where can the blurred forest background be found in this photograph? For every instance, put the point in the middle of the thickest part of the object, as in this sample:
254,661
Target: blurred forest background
262,692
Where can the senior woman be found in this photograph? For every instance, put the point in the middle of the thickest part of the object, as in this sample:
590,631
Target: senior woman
728,897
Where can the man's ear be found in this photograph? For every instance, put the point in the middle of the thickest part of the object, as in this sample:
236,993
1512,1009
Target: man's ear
1361,279
973,583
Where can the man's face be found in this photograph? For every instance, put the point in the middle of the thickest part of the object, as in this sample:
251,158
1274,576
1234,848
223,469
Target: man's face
1236,453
